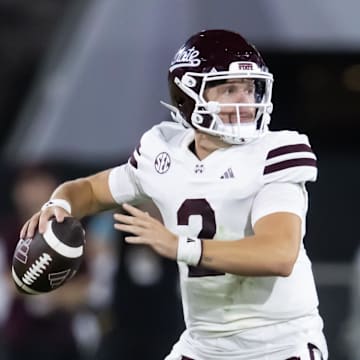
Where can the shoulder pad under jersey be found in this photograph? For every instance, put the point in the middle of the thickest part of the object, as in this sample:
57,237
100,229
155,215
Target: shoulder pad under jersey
289,158
153,140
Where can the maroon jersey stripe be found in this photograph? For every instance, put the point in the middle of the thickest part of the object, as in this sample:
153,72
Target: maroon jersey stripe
288,164
133,161
137,149
287,149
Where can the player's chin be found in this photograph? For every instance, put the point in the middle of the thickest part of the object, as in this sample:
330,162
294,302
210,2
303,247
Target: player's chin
217,141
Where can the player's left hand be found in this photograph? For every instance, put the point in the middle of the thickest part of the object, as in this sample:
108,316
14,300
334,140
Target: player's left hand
146,230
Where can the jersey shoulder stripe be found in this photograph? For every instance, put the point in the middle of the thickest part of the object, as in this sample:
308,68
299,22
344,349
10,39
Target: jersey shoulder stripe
288,164
133,158
155,140
289,158
288,149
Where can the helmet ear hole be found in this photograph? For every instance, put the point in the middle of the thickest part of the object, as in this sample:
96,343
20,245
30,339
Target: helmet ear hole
196,118
188,81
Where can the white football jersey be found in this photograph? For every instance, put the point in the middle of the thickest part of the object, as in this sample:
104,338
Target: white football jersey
221,197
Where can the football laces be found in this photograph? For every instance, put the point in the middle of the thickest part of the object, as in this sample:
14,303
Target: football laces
36,269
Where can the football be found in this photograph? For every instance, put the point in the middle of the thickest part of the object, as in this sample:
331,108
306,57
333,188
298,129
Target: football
49,260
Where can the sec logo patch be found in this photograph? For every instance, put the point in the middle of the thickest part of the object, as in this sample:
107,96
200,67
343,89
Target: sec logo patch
162,163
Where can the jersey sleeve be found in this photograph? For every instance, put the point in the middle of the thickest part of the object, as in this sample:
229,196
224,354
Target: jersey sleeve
280,197
123,185
290,159
124,179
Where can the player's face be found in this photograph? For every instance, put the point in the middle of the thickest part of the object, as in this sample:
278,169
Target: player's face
234,91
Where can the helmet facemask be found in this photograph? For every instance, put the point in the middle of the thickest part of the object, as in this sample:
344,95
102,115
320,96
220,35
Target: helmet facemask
208,116
213,57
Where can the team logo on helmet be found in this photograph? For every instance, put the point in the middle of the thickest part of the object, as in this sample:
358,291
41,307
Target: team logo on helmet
185,57
162,163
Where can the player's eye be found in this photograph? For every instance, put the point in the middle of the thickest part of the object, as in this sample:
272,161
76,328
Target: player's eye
233,89
250,89
229,89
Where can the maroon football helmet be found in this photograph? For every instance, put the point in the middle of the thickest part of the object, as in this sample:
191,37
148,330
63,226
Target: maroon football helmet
214,57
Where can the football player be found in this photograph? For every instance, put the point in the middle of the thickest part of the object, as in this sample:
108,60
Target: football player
233,201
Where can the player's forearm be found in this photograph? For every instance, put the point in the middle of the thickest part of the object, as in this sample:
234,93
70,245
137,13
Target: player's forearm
251,256
79,193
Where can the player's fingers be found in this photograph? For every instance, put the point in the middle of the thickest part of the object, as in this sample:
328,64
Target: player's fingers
123,218
129,228
130,220
60,214
132,210
134,240
23,231
44,218
32,226
53,211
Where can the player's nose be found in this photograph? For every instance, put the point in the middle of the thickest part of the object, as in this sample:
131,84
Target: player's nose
241,96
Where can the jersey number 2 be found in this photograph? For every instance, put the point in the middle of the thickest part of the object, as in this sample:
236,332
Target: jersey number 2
199,207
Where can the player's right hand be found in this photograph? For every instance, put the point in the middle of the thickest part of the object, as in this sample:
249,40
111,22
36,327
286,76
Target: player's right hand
40,219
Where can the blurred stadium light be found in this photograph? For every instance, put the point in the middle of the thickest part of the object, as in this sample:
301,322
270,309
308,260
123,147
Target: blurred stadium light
103,79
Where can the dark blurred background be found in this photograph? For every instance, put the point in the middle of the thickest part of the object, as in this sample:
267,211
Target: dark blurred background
80,81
